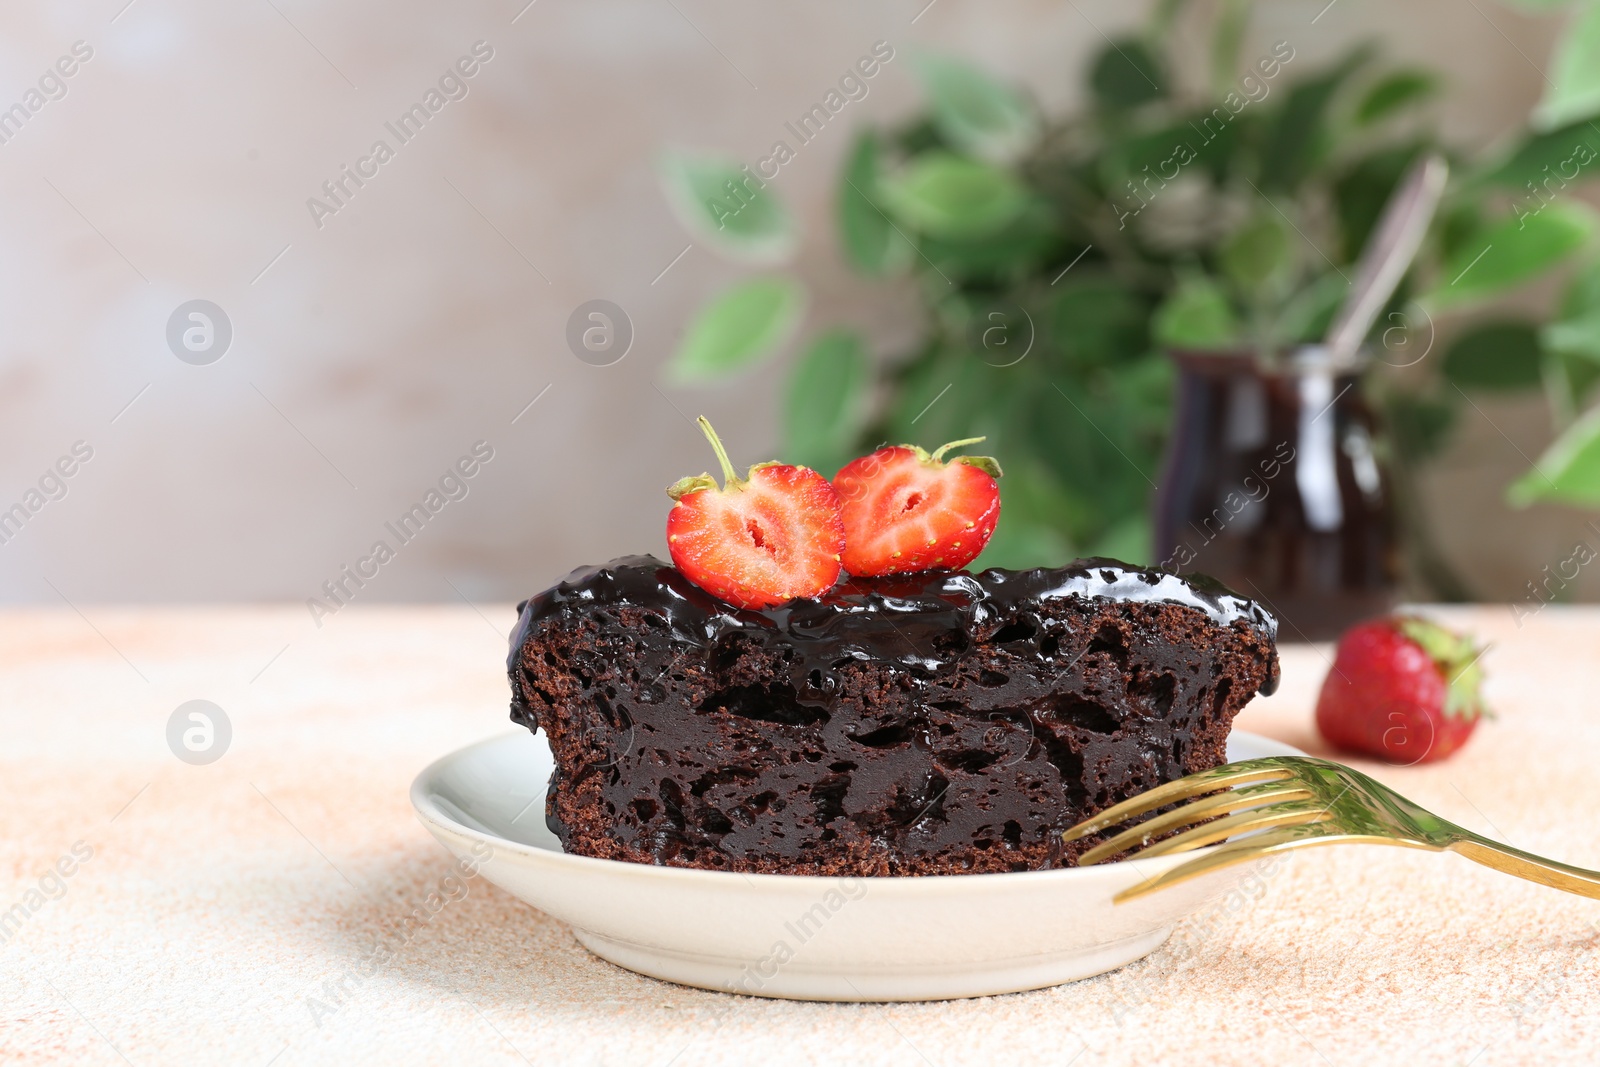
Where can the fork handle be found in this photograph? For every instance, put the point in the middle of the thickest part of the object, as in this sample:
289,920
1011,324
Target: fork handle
1522,864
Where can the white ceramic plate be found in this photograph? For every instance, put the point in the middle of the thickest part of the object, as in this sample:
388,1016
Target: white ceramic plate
806,938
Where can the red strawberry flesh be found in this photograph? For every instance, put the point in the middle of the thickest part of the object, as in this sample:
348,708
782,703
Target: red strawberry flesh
761,540
908,510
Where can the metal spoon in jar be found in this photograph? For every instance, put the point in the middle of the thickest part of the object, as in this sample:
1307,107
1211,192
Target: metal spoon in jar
1387,256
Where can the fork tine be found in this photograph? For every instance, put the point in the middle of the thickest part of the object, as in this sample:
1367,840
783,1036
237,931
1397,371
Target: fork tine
1291,814
1228,775
1228,855
1270,817
1192,812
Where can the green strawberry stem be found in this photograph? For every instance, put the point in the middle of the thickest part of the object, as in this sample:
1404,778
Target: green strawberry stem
938,454
987,464
730,479
696,483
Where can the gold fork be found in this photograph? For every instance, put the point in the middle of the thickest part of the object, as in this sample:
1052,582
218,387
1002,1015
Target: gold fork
1287,802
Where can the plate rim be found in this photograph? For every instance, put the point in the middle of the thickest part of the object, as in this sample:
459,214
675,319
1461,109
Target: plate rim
435,819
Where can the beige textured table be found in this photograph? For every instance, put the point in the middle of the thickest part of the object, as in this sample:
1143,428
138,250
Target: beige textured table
221,904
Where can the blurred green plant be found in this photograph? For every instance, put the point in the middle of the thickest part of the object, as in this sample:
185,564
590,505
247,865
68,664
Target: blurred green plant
1058,258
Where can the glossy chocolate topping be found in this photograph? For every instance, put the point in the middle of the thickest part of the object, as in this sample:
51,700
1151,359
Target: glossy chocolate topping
901,619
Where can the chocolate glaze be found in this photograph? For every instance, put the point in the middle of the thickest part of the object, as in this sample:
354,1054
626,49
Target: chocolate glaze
898,619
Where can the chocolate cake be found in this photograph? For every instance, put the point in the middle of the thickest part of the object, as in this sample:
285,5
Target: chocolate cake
935,723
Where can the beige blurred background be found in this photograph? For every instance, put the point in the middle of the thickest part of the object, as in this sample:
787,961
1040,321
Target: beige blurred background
371,353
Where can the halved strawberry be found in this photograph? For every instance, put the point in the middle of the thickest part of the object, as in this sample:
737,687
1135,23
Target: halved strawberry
908,510
771,536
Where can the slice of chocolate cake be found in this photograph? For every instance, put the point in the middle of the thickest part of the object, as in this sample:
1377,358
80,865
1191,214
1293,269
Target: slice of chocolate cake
933,723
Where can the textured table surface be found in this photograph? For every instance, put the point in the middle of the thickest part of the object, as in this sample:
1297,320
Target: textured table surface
217,902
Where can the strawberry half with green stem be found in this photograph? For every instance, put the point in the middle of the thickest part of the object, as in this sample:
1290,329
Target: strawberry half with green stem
1403,689
906,509
760,540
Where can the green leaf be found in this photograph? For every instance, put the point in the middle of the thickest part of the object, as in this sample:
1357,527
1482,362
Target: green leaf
1128,539
1196,315
1144,388
1551,161
1501,356
1163,18
1256,251
997,330
947,394
1084,434
1036,515
1568,472
727,207
1020,544
1458,226
871,242
824,403
1575,337
919,136
1574,340
1199,142
1393,92
1583,292
1147,160
1573,87
946,195
1096,321
1126,74
1419,425
1362,192
1227,39
1298,137
976,113
1223,143
1580,375
1005,256
1514,251
740,326
1307,314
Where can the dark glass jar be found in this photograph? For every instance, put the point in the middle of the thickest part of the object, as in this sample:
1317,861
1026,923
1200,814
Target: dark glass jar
1272,485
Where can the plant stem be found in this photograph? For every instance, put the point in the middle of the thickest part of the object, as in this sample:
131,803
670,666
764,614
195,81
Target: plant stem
942,449
730,479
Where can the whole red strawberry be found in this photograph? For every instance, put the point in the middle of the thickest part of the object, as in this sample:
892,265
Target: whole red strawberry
908,510
768,537
1402,689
